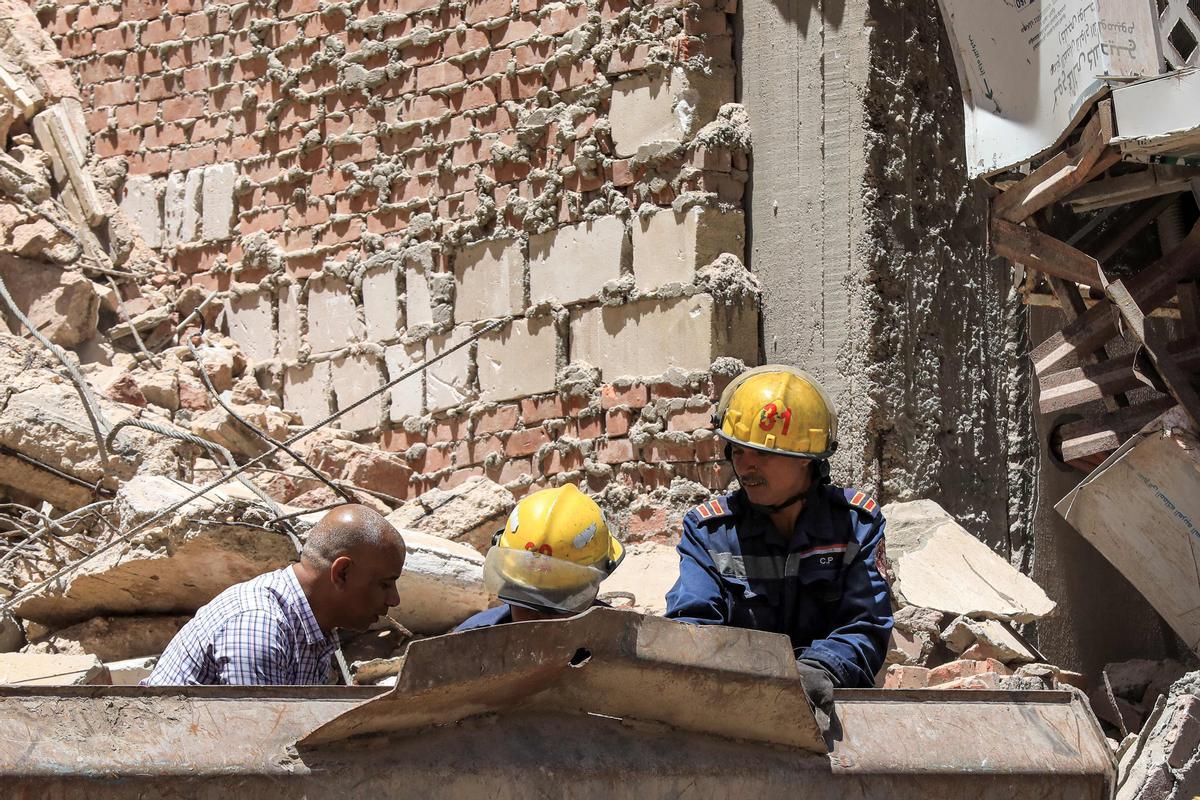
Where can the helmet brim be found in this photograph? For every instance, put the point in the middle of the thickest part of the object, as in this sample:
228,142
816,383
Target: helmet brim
774,450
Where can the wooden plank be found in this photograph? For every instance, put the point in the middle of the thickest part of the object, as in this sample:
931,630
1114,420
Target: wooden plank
1058,391
1154,181
1061,174
1040,251
1177,381
1072,305
1076,441
1153,286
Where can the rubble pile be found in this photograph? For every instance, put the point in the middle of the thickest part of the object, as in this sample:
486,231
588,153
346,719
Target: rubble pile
1163,761
958,606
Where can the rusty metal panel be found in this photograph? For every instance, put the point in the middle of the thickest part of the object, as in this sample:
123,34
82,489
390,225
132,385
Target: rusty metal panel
722,681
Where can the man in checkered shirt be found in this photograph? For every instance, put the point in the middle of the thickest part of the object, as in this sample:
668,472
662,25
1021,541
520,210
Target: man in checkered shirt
279,628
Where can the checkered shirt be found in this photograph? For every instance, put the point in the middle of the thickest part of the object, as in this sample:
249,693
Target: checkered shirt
258,633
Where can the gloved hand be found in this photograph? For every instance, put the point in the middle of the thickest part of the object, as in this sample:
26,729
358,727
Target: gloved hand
818,685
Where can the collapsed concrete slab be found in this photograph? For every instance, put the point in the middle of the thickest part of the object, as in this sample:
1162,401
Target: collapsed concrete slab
642,580
937,564
442,584
112,638
37,669
174,566
470,512
131,671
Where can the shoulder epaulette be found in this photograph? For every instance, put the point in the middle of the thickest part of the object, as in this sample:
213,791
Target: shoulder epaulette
862,501
710,509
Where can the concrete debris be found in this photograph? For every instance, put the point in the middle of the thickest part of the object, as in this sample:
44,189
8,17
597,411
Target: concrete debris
642,580
112,638
470,512
131,671
987,638
1128,691
1163,762
174,566
62,304
442,583
37,669
937,564
915,636
12,636
217,425
377,671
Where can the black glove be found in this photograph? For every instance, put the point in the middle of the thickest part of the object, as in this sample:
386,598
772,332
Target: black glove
818,685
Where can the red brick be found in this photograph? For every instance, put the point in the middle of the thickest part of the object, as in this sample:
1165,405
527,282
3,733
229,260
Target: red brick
561,20
540,409
902,677
114,93
615,451
155,87
515,469
96,16
78,45
459,476
660,451
964,668
479,10
556,462
141,9
649,523
705,23
178,108
184,7
689,420
512,32
617,422
293,8
525,442
986,680
590,426
634,396
399,440
158,31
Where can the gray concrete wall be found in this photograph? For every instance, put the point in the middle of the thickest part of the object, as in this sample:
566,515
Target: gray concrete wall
871,250
871,247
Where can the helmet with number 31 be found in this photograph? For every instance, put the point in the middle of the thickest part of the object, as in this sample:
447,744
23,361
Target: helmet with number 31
778,409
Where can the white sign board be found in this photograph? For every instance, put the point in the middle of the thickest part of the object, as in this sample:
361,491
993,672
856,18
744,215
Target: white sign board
1029,68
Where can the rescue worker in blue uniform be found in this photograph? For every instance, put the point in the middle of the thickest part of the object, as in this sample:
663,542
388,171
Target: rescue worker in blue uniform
549,560
788,552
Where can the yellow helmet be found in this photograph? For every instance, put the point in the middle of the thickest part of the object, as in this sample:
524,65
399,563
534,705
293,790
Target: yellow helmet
778,409
553,552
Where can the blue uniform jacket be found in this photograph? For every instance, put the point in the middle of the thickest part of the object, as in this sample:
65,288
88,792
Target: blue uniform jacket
822,588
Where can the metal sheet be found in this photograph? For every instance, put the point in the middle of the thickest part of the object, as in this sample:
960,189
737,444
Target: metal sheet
722,681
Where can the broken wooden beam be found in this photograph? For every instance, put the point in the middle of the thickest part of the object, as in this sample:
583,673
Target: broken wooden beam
1152,287
1154,181
1091,382
1089,438
1041,251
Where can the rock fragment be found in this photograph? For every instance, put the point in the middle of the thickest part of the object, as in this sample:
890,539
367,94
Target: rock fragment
470,512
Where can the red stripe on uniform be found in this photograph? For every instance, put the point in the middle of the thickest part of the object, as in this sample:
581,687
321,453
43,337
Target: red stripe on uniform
704,510
716,507
857,499
832,548
869,505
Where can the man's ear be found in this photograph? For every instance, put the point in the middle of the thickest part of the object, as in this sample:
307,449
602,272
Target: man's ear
339,571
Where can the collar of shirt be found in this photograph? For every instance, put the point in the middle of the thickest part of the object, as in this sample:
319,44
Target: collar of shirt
312,631
814,524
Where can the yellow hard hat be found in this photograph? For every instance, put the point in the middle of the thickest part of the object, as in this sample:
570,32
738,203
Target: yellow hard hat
553,552
778,409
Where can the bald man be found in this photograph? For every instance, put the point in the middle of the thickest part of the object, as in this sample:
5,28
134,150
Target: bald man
279,629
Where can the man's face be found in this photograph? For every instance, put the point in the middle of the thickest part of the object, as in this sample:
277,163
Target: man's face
770,478
366,585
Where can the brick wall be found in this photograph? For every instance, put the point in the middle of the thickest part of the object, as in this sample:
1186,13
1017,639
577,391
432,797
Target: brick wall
367,182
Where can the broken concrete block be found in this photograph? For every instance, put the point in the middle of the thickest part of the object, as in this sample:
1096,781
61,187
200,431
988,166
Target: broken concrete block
490,279
142,204
174,566
41,239
252,323
1141,509
905,677
217,425
306,391
38,669
181,206
112,638
289,322
216,205
937,564
354,377
518,360
694,332
669,246
407,398
131,671
1164,761
12,637
58,136
376,670
643,578
381,303
664,108
418,302
332,316
964,668
448,382
62,304
469,513
442,583
25,97
160,387
914,636
573,263
30,50
986,638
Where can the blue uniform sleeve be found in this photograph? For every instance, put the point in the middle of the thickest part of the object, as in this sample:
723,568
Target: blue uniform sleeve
252,649
698,595
855,648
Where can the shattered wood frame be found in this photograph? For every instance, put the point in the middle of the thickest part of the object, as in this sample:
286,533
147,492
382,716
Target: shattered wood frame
1074,366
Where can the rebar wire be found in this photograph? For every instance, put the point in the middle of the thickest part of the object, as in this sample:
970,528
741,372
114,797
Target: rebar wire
388,498
55,471
417,369
137,337
100,425
77,514
212,390
183,323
